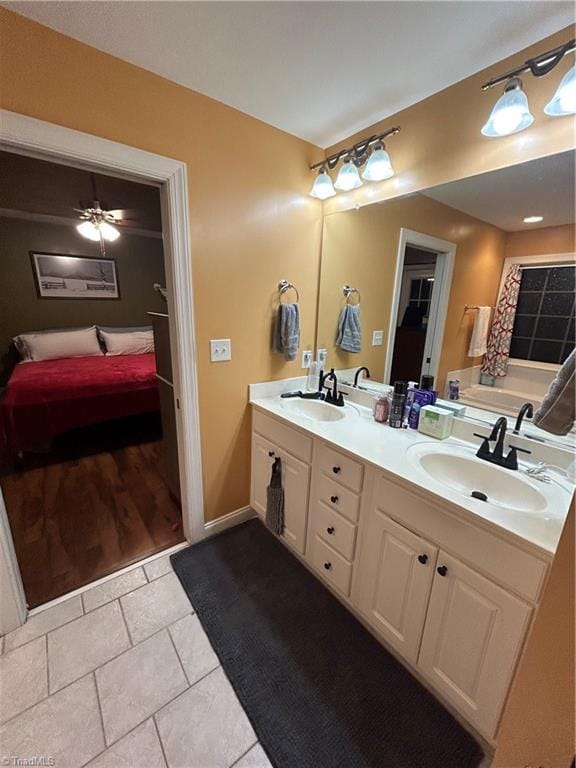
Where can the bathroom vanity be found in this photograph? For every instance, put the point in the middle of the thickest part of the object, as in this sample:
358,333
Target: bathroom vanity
384,518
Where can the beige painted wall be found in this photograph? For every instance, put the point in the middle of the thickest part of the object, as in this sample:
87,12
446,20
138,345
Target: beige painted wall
440,139
360,248
537,727
252,221
538,242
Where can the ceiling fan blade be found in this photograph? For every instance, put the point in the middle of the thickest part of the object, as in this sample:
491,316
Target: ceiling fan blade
123,213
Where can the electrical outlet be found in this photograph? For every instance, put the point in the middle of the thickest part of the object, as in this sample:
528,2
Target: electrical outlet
321,357
220,350
377,338
306,358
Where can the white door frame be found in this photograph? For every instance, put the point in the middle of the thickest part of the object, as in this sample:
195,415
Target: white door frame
445,260
36,138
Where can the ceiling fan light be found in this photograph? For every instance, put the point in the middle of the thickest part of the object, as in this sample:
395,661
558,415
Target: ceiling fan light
109,232
322,187
564,100
89,230
511,112
348,177
379,165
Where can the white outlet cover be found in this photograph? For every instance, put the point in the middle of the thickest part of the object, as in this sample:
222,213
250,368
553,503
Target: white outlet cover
321,356
306,358
220,350
377,338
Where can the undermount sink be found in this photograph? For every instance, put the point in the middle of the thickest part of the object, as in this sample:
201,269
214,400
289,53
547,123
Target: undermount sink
316,409
460,470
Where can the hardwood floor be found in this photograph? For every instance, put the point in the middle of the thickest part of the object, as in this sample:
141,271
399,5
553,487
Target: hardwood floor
93,505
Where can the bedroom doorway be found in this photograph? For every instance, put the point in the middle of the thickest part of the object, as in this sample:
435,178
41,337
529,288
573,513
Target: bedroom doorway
26,137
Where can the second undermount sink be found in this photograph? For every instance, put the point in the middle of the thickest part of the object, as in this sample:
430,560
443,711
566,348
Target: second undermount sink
316,409
460,470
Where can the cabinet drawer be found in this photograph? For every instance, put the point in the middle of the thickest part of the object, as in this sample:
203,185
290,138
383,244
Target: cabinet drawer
285,437
334,529
331,566
340,467
338,497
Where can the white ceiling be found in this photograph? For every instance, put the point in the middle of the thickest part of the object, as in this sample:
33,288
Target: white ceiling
542,187
319,70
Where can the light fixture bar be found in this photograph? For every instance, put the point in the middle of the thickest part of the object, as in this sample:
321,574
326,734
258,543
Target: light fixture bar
538,65
358,153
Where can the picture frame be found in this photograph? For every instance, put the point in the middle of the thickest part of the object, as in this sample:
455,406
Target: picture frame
68,276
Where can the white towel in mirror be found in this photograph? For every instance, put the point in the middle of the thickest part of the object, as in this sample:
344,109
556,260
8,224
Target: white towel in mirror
479,340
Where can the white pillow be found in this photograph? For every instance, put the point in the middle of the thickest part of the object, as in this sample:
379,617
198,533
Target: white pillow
49,345
129,343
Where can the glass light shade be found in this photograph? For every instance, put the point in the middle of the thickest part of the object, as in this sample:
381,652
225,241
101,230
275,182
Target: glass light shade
109,232
564,100
89,230
322,187
348,177
379,166
511,112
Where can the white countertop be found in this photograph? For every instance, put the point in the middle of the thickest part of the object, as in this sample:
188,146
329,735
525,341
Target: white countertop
386,449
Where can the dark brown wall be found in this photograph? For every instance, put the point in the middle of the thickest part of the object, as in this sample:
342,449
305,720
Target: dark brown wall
139,264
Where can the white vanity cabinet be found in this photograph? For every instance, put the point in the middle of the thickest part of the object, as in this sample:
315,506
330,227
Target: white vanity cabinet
295,475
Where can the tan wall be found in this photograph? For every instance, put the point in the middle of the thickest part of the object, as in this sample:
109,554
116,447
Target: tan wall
440,140
537,727
537,242
252,221
360,248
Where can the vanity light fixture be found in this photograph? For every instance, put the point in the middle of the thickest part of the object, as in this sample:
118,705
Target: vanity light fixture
564,100
532,219
322,187
369,152
348,177
511,112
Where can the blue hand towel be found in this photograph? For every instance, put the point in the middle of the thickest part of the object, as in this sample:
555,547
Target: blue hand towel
349,331
287,331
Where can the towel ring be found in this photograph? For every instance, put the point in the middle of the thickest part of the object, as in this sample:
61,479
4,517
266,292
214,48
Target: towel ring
284,286
348,291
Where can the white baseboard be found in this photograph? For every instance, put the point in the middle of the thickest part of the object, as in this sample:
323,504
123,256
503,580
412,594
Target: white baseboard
228,521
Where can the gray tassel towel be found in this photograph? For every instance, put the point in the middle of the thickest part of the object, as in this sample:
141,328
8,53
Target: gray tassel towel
557,412
275,499
349,337
287,331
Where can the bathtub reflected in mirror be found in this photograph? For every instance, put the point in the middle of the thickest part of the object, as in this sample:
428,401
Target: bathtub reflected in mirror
423,266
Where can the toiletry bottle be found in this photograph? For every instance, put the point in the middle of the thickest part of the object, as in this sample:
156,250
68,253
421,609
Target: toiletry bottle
381,408
454,389
420,398
397,406
427,383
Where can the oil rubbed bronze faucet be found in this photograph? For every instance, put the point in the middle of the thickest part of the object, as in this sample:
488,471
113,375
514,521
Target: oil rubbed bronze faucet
496,456
334,397
526,410
363,369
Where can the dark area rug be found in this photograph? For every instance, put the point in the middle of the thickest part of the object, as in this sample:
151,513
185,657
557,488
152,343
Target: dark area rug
320,691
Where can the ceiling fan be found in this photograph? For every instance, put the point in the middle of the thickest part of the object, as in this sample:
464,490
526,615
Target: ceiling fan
99,223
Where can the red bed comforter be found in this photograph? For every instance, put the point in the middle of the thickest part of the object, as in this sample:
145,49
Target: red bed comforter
44,399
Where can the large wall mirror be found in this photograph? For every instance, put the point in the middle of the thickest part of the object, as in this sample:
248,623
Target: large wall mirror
421,266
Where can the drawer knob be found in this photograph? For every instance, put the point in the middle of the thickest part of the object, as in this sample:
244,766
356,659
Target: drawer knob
336,470
271,453
442,570
328,566
330,530
423,559
334,499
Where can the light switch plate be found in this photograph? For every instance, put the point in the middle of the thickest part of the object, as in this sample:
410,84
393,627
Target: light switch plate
377,338
306,358
220,350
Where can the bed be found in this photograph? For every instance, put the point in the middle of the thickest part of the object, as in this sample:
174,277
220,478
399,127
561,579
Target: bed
46,398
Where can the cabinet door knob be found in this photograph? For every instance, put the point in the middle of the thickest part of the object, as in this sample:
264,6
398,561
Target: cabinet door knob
330,530
336,470
271,453
334,499
328,566
423,559
442,570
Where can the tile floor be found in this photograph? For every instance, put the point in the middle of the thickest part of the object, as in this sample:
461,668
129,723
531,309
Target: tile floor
119,677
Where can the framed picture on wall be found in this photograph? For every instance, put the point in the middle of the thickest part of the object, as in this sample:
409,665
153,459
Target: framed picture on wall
61,276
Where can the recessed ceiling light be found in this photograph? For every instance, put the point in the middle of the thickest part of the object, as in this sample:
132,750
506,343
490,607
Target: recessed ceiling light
533,219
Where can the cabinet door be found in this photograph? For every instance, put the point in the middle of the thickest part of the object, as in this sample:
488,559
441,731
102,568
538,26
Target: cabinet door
296,484
263,454
472,638
397,569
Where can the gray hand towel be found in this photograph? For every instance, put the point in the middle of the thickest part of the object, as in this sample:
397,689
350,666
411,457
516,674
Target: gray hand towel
287,331
349,336
275,499
557,411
